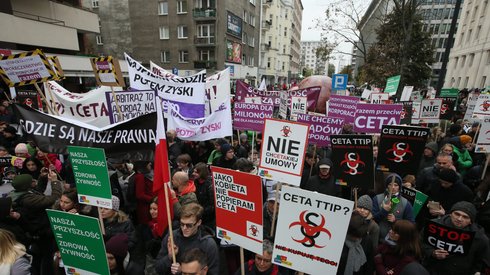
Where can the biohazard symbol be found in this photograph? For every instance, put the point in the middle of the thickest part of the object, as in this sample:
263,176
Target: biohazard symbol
444,108
310,229
28,102
352,160
254,230
485,105
286,130
399,152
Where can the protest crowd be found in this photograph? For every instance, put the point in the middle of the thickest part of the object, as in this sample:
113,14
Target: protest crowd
428,217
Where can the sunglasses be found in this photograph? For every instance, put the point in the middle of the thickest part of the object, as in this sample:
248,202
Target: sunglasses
187,225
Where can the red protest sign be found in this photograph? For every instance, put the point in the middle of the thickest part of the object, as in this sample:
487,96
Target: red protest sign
238,203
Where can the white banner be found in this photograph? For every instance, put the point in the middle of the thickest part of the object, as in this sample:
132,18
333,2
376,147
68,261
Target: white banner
88,107
283,150
482,106
406,93
311,230
483,141
216,125
188,91
217,86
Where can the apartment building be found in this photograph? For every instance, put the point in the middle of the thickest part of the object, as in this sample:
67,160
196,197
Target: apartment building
469,61
309,59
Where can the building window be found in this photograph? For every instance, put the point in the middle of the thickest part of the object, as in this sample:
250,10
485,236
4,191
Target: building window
468,37
462,37
251,61
245,16
477,34
466,80
95,3
244,37
458,82
244,59
204,55
456,62
205,30
164,33
483,81
470,62
488,57
285,31
252,20
163,8
181,7
183,56
268,63
98,39
165,56
182,32
251,41
463,61
252,2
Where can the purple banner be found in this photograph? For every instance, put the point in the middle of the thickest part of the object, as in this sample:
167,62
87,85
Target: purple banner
371,117
251,116
343,106
321,127
311,94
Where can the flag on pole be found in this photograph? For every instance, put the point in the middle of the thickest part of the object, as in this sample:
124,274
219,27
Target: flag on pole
262,86
161,171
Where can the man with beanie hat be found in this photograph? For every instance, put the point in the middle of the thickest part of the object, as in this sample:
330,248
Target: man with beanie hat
32,205
449,191
390,206
429,156
324,181
438,261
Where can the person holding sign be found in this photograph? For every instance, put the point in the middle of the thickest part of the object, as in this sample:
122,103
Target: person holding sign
390,206
190,235
324,182
445,255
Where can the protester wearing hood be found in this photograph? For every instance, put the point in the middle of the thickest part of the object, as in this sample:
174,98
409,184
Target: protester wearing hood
429,156
365,208
390,206
227,158
448,192
324,181
184,191
116,251
438,261
464,161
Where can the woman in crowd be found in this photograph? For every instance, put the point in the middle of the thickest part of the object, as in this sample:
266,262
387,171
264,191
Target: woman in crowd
401,247
184,163
32,166
13,257
205,193
117,252
143,180
68,202
152,239
116,221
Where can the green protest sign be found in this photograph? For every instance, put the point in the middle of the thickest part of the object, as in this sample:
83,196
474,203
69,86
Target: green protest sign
80,243
416,198
450,92
392,84
91,176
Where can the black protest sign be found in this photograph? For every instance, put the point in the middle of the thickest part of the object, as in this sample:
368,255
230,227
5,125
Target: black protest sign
30,99
447,108
407,111
453,240
5,161
132,139
401,148
353,162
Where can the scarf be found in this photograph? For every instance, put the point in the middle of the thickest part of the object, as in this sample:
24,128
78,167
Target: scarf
356,257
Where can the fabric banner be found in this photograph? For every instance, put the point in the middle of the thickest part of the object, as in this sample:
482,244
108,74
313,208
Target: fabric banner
407,111
88,107
430,110
352,157
311,230
30,99
217,86
244,90
416,198
343,107
401,148
311,94
80,243
453,240
216,125
132,139
483,141
132,104
321,127
186,92
283,151
447,107
251,116
239,208
371,117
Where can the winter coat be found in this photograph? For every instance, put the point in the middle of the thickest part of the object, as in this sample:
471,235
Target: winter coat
251,269
386,259
324,186
464,161
144,195
459,264
447,197
21,266
187,196
120,224
403,211
203,239
205,196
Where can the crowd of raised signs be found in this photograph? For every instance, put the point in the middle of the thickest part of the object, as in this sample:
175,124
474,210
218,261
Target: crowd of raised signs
448,235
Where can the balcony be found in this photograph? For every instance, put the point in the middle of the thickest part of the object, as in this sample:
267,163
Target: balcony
205,64
204,13
266,25
267,3
204,41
